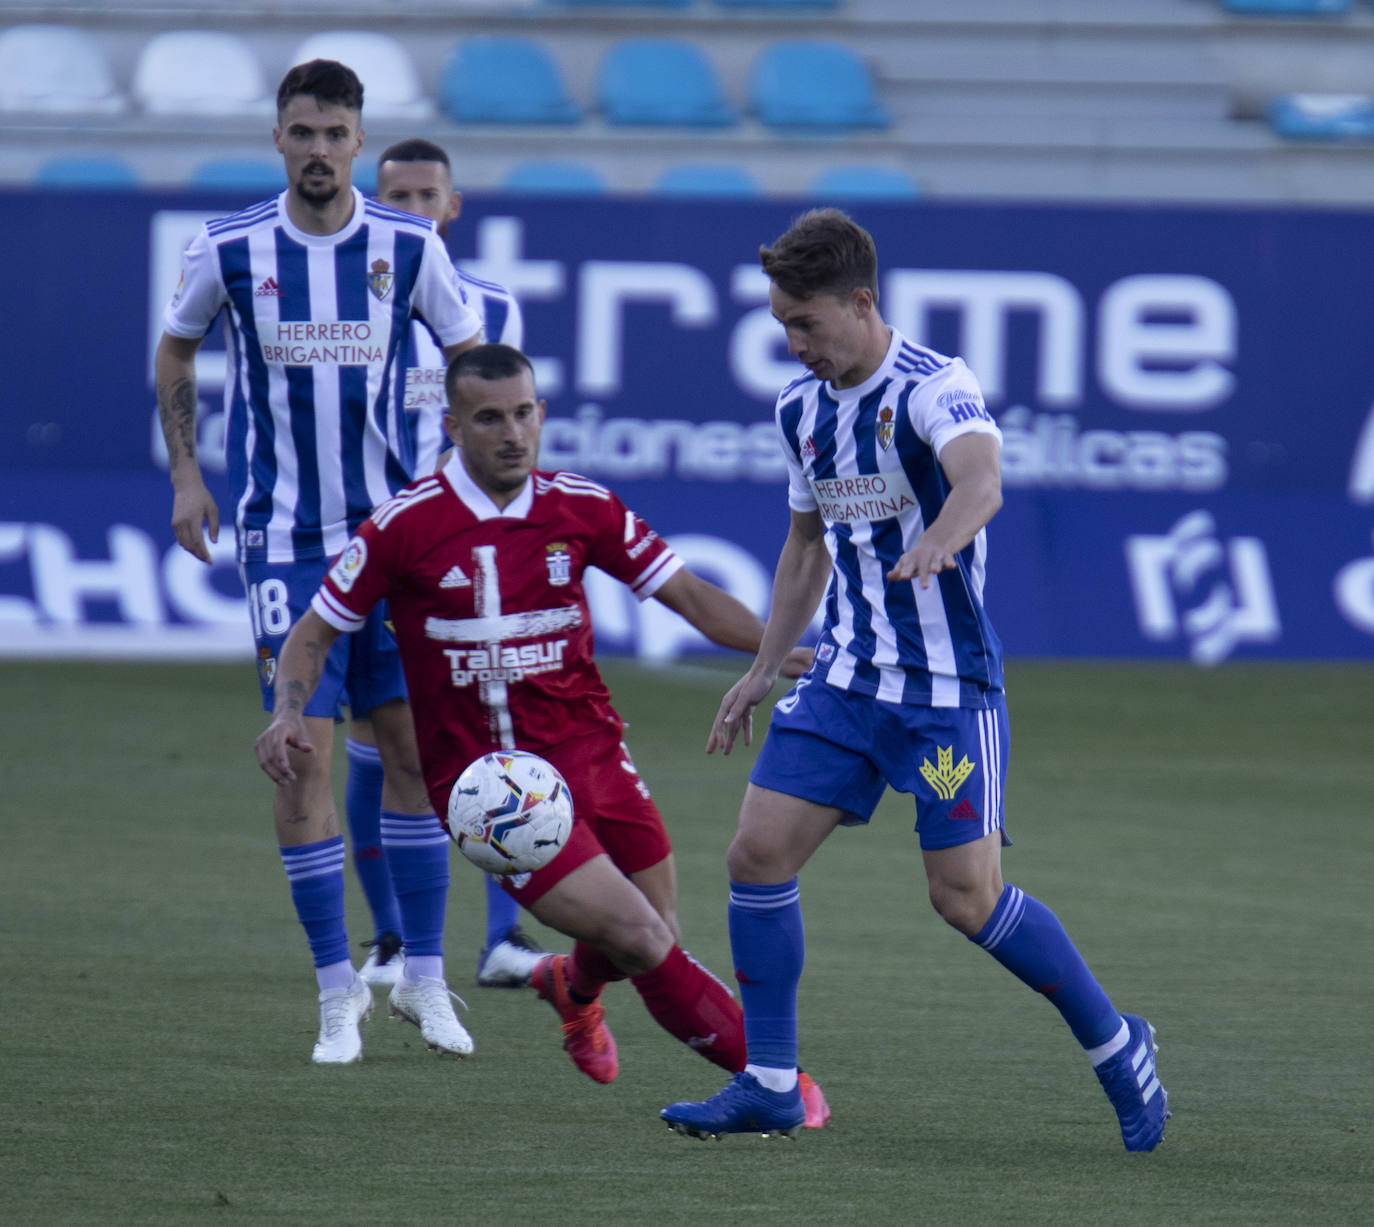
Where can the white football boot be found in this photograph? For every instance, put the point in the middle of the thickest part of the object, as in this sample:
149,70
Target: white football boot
425,1002
510,962
342,1011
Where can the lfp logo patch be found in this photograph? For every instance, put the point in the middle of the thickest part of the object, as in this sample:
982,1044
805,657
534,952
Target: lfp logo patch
345,572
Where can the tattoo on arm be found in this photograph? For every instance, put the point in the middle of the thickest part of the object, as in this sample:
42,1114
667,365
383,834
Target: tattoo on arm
176,407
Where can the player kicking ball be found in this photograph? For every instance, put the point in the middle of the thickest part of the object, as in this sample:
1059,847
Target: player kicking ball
481,567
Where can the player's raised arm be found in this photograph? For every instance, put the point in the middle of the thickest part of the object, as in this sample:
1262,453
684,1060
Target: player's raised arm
192,505
298,673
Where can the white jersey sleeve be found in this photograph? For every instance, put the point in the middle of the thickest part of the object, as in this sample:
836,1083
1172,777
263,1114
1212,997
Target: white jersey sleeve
199,294
439,299
800,496
950,404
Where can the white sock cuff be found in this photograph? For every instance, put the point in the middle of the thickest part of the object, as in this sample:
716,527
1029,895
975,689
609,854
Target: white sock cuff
1114,1045
775,1079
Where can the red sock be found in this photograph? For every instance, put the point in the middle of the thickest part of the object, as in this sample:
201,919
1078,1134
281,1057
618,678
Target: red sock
689,1003
588,970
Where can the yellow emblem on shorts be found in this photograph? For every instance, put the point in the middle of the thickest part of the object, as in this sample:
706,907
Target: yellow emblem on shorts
946,778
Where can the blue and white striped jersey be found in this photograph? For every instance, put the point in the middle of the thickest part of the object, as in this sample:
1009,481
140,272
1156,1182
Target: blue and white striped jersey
425,400
317,326
867,459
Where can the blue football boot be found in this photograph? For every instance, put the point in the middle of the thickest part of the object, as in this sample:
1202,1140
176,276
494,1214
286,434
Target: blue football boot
744,1106
1133,1086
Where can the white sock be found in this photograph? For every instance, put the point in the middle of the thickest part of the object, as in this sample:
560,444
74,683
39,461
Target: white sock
428,965
336,975
775,1079
1114,1045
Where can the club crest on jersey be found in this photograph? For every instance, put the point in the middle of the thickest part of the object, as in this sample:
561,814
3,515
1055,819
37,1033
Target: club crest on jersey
267,665
380,280
886,427
345,572
559,562
943,775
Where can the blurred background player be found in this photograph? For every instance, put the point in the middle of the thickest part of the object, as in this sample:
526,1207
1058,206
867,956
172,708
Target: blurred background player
906,689
481,567
415,175
317,285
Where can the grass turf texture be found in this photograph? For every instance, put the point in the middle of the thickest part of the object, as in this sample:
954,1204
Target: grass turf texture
1205,836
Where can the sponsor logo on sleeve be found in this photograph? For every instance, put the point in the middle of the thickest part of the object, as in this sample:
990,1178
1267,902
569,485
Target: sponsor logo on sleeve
345,572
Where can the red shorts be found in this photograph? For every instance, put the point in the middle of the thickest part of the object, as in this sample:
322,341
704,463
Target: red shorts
612,813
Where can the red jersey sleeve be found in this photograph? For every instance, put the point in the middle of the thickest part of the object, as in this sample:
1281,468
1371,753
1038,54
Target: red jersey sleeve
358,579
626,548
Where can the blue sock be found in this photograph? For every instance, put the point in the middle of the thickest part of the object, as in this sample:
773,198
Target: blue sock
315,873
768,943
502,912
417,852
1027,939
363,806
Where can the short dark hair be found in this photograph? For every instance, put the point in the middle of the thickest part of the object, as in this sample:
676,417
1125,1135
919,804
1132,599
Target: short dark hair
490,362
416,149
327,81
824,252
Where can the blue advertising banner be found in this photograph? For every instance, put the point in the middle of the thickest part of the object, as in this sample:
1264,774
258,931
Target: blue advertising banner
1185,396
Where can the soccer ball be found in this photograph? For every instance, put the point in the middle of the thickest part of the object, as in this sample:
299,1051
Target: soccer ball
510,812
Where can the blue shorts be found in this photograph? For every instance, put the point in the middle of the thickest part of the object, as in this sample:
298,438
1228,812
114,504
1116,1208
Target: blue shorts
840,749
362,670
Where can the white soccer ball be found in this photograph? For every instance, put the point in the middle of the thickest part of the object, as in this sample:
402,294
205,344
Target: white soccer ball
510,812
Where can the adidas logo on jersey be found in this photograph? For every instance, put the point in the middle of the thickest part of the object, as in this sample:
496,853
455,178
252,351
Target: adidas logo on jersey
455,579
809,449
268,289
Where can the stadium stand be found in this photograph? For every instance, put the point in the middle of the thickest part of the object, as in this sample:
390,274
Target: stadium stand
56,69
497,79
258,175
1288,8
1323,117
554,179
814,85
86,171
390,83
661,81
1142,100
865,183
200,72
707,179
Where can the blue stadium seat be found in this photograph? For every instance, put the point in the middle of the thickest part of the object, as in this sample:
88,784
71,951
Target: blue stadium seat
707,179
96,170
661,81
865,182
554,179
642,4
1323,117
498,79
1287,8
814,85
778,4
247,174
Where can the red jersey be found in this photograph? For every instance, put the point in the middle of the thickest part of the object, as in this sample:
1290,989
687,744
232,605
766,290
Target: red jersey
489,609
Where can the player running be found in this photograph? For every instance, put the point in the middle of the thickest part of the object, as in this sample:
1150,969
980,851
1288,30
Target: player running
893,472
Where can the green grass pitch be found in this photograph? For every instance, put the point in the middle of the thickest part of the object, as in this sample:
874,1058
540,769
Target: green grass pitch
1206,836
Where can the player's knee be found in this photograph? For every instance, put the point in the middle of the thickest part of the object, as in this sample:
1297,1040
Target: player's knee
640,944
751,859
962,905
